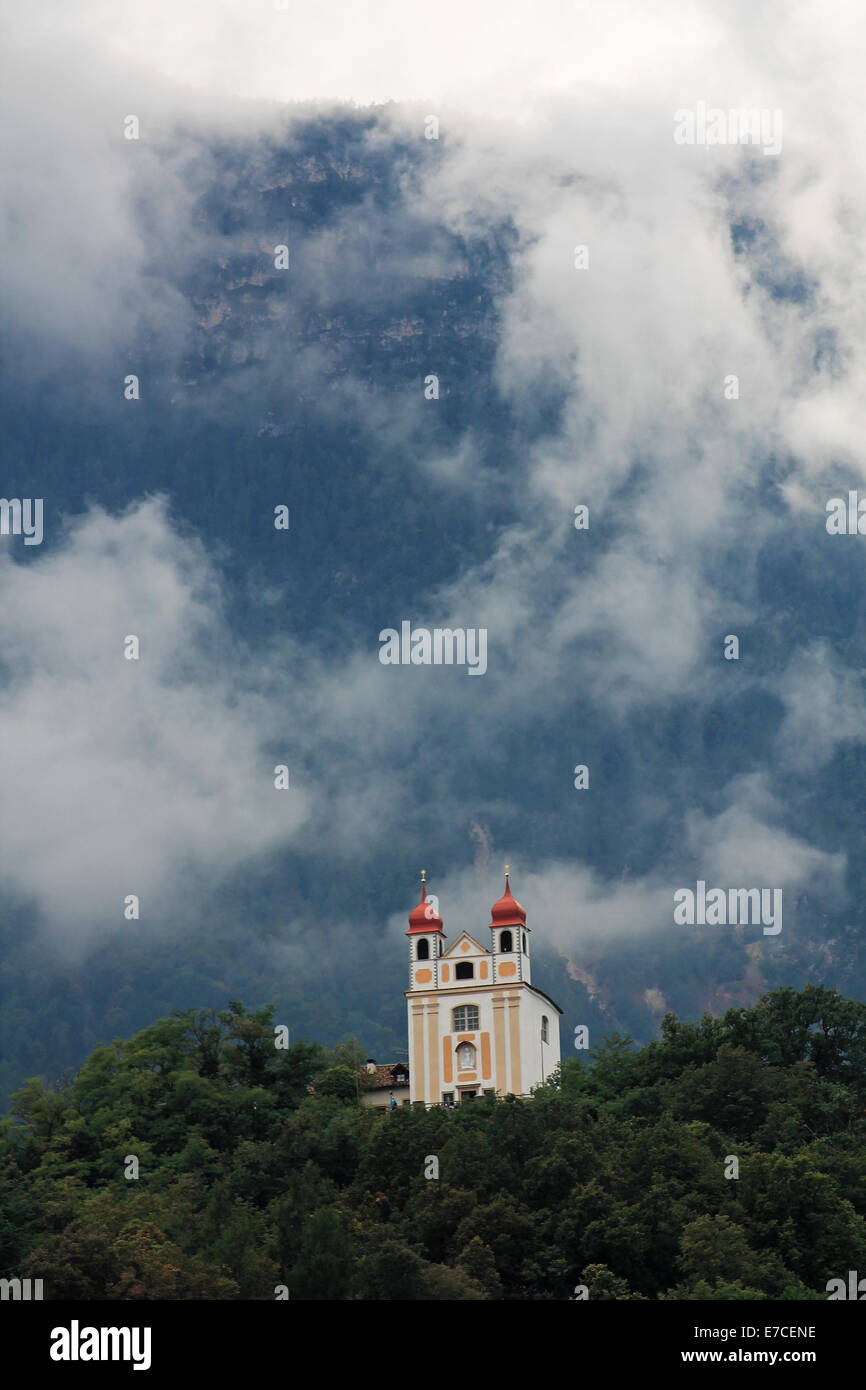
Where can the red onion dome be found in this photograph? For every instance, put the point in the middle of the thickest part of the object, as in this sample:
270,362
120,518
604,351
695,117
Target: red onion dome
424,917
507,912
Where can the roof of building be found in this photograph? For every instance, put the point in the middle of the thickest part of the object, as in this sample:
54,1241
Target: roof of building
507,912
383,1077
424,917
536,990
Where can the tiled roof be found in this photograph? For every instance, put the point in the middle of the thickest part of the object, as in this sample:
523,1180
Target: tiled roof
383,1077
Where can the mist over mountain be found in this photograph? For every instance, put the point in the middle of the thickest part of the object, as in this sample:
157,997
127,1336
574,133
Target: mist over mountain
308,387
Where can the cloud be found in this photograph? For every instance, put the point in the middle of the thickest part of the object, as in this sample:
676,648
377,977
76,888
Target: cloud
746,845
557,123
129,777
576,913
400,50
824,706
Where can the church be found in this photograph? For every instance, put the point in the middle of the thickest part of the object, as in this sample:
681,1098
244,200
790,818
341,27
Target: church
476,1022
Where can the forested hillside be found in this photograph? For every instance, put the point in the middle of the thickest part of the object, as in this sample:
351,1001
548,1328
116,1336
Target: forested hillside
612,1177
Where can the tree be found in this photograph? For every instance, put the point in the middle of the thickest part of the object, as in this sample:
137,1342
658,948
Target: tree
391,1271
324,1267
714,1247
42,1111
477,1260
615,1179
339,1082
603,1285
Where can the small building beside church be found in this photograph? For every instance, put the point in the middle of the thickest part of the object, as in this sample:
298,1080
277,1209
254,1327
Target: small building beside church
476,1021
380,1085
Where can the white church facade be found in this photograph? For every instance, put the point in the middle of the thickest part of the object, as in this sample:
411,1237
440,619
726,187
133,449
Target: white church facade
476,1022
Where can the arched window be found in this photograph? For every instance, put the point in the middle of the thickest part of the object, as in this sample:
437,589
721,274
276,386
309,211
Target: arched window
525,952
544,1033
423,949
506,941
465,1018
466,1057
464,970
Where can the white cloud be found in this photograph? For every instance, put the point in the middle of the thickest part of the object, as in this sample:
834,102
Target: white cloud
120,776
577,913
745,845
824,706
558,117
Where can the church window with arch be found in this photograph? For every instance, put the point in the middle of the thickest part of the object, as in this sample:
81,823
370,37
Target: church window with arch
465,1018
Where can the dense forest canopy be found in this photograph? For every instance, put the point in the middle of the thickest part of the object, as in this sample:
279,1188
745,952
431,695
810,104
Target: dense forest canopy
259,1171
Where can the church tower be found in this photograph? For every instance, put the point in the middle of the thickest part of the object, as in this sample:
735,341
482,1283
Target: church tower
476,1021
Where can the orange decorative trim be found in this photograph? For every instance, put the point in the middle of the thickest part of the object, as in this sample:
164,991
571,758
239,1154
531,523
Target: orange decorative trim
446,973
432,1048
506,986
482,970
514,1030
467,1076
447,1071
423,976
499,1043
485,1056
508,968
417,1072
